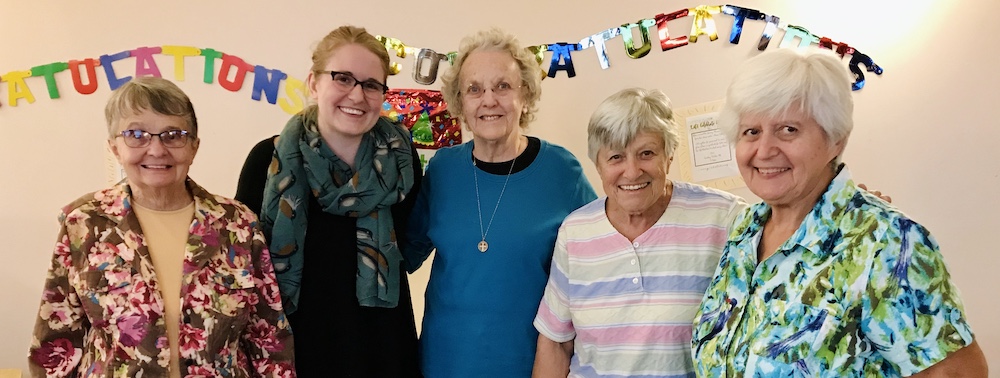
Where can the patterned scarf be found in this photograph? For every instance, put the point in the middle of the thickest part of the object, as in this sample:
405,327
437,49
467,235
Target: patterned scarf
304,165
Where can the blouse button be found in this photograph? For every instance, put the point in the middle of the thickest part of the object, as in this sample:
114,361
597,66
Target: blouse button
636,244
635,280
633,261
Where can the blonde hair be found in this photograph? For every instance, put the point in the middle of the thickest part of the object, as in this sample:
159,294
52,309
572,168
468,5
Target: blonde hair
622,116
149,93
494,39
341,36
344,35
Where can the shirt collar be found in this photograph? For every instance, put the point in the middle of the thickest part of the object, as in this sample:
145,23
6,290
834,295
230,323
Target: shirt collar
817,228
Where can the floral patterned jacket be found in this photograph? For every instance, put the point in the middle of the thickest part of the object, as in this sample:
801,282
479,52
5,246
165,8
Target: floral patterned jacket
101,313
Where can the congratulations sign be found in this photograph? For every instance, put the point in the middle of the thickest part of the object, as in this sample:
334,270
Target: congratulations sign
234,72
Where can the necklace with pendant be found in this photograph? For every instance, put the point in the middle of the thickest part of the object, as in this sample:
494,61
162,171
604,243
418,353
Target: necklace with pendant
483,245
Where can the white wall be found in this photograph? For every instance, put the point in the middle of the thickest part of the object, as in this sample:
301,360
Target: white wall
926,130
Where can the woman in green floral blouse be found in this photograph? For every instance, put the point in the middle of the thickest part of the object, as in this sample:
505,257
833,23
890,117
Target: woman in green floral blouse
822,279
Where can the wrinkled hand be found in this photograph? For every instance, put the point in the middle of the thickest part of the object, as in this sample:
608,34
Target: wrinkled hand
877,193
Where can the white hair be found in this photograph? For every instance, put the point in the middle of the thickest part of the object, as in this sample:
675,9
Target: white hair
625,114
814,80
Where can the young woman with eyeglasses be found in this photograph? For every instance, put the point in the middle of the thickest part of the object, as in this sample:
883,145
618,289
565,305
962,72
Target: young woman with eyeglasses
334,191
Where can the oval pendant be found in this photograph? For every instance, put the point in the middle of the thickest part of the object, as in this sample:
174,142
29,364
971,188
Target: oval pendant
483,246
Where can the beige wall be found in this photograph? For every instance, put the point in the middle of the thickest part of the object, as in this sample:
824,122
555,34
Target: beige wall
926,133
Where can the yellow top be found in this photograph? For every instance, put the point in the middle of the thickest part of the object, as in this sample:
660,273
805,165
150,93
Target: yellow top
166,234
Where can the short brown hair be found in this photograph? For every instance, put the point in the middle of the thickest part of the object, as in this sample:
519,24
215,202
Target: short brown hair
149,93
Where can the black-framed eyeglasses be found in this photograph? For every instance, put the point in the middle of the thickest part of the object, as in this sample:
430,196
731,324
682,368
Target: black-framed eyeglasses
142,138
501,89
345,80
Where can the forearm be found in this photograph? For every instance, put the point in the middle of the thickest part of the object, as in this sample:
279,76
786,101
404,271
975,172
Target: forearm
966,362
552,358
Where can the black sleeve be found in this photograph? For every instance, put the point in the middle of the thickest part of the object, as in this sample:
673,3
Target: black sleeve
401,211
250,188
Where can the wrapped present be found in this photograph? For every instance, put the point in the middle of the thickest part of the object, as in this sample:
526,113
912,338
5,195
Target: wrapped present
425,114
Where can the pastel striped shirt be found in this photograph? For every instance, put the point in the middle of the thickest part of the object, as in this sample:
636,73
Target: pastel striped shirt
629,306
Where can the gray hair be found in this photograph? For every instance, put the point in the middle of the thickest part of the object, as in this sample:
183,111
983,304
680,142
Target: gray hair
619,118
814,80
149,93
494,40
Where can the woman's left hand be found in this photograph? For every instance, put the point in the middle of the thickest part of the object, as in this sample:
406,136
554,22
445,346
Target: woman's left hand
885,198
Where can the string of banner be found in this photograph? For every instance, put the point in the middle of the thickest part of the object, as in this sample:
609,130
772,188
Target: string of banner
266,82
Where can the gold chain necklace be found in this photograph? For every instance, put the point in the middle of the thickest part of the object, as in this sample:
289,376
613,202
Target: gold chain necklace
483,245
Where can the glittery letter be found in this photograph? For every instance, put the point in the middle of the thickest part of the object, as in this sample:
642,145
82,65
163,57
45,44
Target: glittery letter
74,70
765,37
793,31
427,55
267,81
49,71
210,56
597,42
666,43
296,91
179,53
740,15
703,22
144,63
841,48
859,77
17,88
106,60
561,52
626,31
228,62
537,51
393,44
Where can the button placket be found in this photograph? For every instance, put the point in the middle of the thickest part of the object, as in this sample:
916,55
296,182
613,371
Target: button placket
635,262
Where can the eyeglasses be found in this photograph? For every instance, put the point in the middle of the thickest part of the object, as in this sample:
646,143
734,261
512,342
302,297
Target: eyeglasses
502,89
142,138
346,81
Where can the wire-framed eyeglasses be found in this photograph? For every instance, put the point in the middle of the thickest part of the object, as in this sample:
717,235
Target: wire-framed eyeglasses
501,89
142,138
346,81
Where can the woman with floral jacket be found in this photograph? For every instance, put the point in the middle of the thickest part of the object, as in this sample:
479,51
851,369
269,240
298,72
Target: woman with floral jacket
156,277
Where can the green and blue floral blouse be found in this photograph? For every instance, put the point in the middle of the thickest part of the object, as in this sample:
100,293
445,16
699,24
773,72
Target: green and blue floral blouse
858,290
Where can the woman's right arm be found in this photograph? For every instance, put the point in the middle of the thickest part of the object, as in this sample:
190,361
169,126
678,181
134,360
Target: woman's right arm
417,243
57,342
552,358
253,176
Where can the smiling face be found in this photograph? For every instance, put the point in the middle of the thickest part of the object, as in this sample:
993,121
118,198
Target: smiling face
635,178
785,160
347,114
492,117
154,168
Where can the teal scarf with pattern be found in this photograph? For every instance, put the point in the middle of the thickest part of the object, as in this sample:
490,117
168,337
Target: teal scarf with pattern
304,165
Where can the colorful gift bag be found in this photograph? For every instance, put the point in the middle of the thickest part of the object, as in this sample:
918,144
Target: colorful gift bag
425,114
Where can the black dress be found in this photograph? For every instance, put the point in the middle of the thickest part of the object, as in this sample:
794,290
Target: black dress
334,336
